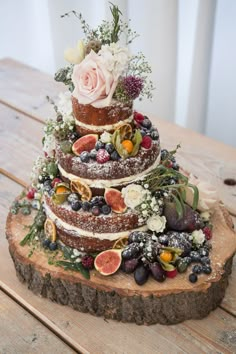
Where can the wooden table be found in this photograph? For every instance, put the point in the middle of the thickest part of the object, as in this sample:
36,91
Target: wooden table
30,324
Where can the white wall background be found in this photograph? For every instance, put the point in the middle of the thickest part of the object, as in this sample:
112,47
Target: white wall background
189,43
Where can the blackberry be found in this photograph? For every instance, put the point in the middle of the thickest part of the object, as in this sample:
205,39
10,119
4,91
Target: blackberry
95,210
193,278
99,145
109,147
76,205
115,156
86,206
197,269
206,269
87,262
93,154
106,209
84,156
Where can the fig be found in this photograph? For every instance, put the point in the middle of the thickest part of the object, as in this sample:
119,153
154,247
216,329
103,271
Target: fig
141,274
114,199
190,220
86,143
157,271
108,262
129,265
131,251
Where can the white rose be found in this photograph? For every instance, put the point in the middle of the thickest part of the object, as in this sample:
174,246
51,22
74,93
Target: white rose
133,195
198,237
75,55
105,137
116,58
156,223
207,194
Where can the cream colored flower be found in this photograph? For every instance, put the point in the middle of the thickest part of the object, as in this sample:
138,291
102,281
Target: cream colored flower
133,195
198,237
105,137
207,194
75,55
156,223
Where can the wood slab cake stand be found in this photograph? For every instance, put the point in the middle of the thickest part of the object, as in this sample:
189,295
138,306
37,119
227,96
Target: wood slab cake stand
118,296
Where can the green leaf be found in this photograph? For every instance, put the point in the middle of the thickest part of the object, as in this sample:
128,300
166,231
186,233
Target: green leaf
195,195
67,252
137,139
178,205
74,266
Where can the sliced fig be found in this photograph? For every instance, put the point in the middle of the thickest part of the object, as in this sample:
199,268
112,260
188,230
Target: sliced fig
86,143
108,262
114,199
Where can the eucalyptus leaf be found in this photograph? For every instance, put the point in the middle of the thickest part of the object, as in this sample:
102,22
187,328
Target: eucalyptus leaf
195,196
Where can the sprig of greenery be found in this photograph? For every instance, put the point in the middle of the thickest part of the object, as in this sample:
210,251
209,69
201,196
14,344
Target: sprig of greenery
75,266
35,228
115,11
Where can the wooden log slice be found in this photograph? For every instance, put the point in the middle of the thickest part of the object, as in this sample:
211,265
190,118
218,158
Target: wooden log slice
119,297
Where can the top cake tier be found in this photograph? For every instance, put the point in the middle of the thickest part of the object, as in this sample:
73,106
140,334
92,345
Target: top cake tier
92,120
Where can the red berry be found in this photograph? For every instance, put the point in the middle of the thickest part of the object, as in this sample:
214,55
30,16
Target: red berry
169,164
30,194
146,142
171,273
208,232
55,181
138,117
102,156
87,262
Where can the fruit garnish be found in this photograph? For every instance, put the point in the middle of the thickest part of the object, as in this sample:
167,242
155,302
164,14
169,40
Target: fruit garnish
166,256
108,262
30,194
128,145
55,181
207,232
138,117
125,131
146,142
114,199
81,188
86,143
171,273
137,138
88,262
102,156
121,242
118,139
62,191
50,230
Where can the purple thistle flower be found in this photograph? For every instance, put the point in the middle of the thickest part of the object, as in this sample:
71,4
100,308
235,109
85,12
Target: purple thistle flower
132,86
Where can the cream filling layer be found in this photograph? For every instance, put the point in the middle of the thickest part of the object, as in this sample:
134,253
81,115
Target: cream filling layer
107,183
77,232
102,128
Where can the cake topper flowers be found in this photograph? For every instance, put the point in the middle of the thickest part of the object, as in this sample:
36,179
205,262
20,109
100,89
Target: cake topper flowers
102,69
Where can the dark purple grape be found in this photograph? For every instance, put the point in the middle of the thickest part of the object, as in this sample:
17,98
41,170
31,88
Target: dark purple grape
131,251
129,265
157,272
95,210
137,236
141,275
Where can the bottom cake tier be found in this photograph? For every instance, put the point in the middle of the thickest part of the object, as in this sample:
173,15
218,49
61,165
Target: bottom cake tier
118,296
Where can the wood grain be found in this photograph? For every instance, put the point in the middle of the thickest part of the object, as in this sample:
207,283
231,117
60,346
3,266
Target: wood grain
26,334
25,89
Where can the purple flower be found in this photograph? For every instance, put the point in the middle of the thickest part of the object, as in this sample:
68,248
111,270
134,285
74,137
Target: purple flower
132,86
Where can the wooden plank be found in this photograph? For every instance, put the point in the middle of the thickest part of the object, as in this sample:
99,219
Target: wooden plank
98,336
25,88
22,333
21,142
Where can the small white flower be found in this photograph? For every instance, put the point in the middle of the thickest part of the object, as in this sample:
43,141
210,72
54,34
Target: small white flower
144,206
133,195
146,186
156,223
198,237
75,55
76,252
144,212
205,215
105,137
156,208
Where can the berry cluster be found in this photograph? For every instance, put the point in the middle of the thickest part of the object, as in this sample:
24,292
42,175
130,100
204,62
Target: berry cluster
168,160
101,153
47,244
96,206
148,132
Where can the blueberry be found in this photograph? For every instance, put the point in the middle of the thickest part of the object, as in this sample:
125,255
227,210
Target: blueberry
143,132
47,185
86,206
146,123
106,209
115,156
95,210
175,166
164,154
193,278
98,201
73,137
43,178
73,197
84,156
195,256
197,269
46,242
53,246
203,252
188,260
51,192
99,145
154,135
205,260
206,269
109,147
76,205
93,154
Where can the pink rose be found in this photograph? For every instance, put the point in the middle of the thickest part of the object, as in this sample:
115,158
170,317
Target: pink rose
94,84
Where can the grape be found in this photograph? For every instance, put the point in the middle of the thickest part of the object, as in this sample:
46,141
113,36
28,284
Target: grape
157,272
137,236
129,265
131,251
141,275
